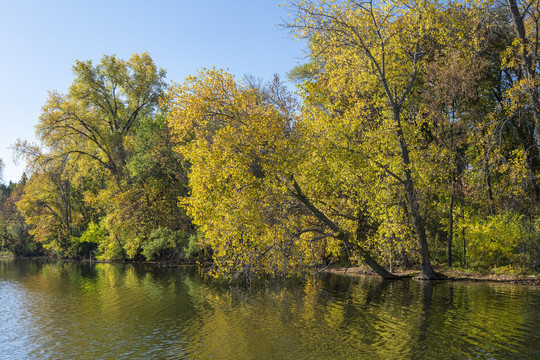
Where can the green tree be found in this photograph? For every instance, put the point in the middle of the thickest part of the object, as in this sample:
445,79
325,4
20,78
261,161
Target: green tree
158,181
96,120
14,232
88,137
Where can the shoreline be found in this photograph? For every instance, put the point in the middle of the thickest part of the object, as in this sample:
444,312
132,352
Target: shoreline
357,271
451,275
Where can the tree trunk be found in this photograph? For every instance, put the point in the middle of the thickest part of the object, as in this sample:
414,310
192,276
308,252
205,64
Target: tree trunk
450,229
464,248
414,208
463,236
372,263
342,235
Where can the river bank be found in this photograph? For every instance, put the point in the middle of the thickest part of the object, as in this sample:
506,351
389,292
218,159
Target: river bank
450,275
357,271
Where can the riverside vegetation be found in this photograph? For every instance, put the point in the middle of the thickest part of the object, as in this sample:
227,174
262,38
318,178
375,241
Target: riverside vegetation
413,140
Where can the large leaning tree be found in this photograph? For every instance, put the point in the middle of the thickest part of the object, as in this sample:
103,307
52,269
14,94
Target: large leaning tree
372,58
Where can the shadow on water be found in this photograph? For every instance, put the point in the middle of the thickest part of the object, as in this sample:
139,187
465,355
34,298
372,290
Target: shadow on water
81,310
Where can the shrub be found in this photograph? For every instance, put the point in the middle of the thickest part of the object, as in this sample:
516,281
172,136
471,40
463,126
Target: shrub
164,244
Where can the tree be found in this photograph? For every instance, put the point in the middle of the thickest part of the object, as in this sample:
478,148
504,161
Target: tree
53,205
14,232
521,101
149,210
249,164
450,101
88,139
230,138
101,112
378,50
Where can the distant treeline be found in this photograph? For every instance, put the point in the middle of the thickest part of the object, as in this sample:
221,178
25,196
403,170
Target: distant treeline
413,138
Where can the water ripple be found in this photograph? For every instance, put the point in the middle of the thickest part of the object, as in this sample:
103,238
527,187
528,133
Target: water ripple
108,311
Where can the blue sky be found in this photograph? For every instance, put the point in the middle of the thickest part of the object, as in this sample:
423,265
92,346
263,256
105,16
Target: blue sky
40,41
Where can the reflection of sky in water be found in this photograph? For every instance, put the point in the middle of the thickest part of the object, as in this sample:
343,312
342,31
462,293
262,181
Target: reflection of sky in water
70,312
18,334
67,310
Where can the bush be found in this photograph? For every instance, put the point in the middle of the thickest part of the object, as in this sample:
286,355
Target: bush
89,241
165,244
494,241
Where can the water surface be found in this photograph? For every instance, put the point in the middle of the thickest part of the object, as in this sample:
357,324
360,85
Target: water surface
63,310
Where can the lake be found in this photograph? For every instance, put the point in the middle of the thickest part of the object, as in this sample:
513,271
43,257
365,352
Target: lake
65,310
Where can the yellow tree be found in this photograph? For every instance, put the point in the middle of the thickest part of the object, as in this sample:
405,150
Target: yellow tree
520,66
53,206
233,142
263,199
373,53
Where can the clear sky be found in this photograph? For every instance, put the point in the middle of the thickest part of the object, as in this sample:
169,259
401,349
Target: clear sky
40,41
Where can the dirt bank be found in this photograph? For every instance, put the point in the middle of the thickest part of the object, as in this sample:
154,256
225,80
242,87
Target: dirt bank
451,275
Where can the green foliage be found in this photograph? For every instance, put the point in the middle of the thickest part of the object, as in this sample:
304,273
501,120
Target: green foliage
530,246
493,241
304,72
111,249
94,233
195,250
150,201
505,241
165,244
15,237
87,244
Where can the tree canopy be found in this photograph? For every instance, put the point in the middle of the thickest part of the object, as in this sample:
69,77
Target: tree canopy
412,141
